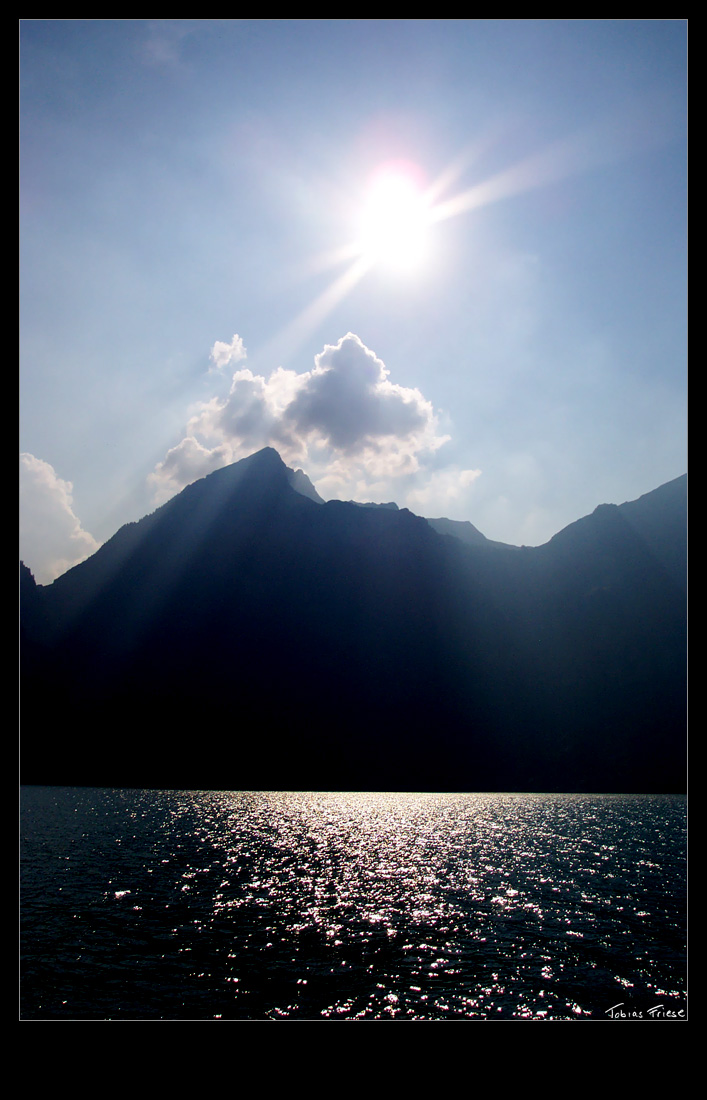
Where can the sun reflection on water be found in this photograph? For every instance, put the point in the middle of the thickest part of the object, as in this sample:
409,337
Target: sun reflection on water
377,906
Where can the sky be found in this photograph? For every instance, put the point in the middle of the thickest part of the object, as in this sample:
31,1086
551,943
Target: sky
440,262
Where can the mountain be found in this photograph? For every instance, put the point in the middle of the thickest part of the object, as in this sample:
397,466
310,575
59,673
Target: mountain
301,484
465,531
247,635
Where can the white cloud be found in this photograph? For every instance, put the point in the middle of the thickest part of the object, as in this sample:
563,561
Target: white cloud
222,354
352,429
52,539
444,493
349,402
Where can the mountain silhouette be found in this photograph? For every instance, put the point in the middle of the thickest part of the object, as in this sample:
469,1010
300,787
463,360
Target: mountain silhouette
247,635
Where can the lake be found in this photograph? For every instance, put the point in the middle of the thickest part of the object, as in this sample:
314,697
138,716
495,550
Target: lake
221,905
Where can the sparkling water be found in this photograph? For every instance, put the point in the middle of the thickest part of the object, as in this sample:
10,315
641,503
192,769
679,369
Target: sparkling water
141,904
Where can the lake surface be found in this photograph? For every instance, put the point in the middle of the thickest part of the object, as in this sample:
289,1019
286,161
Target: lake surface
141,904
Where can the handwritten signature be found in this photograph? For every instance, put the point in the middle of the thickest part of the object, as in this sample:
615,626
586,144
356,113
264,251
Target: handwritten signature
658,1012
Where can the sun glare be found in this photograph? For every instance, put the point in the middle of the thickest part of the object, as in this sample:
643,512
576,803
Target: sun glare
395,220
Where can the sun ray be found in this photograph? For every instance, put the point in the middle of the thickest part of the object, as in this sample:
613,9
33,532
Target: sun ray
291,337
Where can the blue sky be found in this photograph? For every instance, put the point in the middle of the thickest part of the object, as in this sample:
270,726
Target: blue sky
191,288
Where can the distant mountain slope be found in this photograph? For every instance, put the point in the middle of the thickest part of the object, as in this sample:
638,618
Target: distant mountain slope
660,519
301,484
462,529
247,636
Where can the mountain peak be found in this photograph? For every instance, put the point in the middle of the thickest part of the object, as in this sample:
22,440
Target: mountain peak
267,463
265,454
265,459
262,466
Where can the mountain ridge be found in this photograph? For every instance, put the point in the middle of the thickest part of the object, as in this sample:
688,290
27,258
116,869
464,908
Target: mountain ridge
330,645
464,530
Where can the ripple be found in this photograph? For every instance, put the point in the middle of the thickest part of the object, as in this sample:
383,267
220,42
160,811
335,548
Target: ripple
310,905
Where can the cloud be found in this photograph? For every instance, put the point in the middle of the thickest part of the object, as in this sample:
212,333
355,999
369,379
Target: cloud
186,462
222,354
52,539
444,493
349,401
344,420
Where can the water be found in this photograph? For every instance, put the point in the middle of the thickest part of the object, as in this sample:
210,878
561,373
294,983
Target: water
221,905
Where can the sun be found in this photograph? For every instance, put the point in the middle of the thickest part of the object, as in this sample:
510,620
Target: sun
394,222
